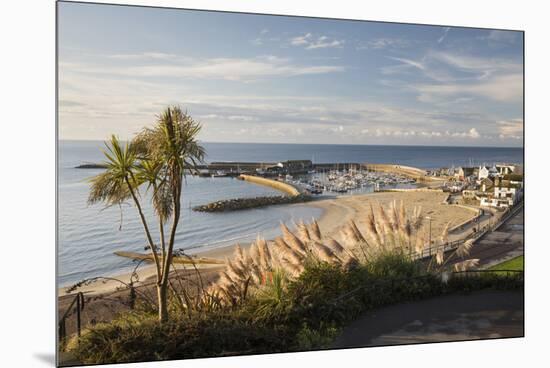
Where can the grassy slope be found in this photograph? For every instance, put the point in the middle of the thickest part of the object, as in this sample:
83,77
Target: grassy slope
512,264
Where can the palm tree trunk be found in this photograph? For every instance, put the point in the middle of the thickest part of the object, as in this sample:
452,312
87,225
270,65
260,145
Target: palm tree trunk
161,229
163,310
162,289
146,227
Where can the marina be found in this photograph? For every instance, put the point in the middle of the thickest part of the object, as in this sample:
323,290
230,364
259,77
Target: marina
348,181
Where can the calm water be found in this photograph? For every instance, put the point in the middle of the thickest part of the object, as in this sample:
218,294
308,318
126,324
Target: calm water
88,235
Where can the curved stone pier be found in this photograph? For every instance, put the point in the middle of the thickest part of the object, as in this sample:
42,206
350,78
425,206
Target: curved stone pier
278,185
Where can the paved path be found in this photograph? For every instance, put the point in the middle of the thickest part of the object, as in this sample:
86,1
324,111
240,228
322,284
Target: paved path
479,315
497,246
487,218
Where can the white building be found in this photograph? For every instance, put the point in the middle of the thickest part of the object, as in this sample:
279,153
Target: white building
494,202
505,169
482,173
503,197
493,172
506,193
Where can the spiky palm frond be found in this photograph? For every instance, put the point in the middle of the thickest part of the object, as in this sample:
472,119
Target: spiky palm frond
153,173
107,188
173,140
111,186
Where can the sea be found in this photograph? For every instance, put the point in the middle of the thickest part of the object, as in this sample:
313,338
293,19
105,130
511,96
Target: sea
88,235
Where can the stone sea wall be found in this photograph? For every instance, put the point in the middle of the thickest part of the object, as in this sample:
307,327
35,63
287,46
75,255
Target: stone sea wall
247,203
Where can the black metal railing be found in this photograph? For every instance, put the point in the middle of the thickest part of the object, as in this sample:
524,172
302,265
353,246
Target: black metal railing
479,232
78,302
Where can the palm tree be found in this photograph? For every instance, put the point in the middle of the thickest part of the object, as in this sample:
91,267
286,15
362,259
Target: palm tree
119,183
166,152
158,157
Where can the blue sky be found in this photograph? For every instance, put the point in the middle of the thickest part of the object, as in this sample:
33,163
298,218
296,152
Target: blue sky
255,78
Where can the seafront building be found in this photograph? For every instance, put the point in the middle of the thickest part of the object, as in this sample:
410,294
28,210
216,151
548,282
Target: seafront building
500,186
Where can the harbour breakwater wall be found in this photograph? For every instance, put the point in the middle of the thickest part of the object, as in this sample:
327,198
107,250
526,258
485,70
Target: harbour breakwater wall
248,203
277,185
412,172
293,195
423,189
271,169
236,168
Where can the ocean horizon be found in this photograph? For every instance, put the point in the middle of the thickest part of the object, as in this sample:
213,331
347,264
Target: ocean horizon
373,153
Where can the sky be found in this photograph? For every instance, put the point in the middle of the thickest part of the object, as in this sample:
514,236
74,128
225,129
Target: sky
276,79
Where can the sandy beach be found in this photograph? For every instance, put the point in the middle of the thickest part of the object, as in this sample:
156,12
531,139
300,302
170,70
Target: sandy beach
337,211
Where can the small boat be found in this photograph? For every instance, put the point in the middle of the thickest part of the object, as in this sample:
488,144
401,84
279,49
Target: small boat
219,174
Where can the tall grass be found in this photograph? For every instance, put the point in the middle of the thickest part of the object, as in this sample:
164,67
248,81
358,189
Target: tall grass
393,238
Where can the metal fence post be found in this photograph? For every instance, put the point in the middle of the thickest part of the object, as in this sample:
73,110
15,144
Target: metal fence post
62,330
78,314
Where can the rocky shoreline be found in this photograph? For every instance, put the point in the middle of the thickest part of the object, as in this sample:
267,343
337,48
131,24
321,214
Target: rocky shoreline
247,203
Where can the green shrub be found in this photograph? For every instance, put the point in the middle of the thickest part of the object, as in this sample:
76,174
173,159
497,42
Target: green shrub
271,301
309,339
302,314
124,340
393,264
486,280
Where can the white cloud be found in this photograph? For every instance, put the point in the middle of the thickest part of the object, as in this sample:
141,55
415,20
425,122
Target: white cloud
310,42
449,67
301,40
482,66
430,134
241,118
144,55
236,69
445,31
462,77
383,43
409,62
511,129
123,104
323,43
496,38
257,42
473,133
506,88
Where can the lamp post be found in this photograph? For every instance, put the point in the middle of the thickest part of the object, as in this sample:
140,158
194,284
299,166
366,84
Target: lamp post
430,236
